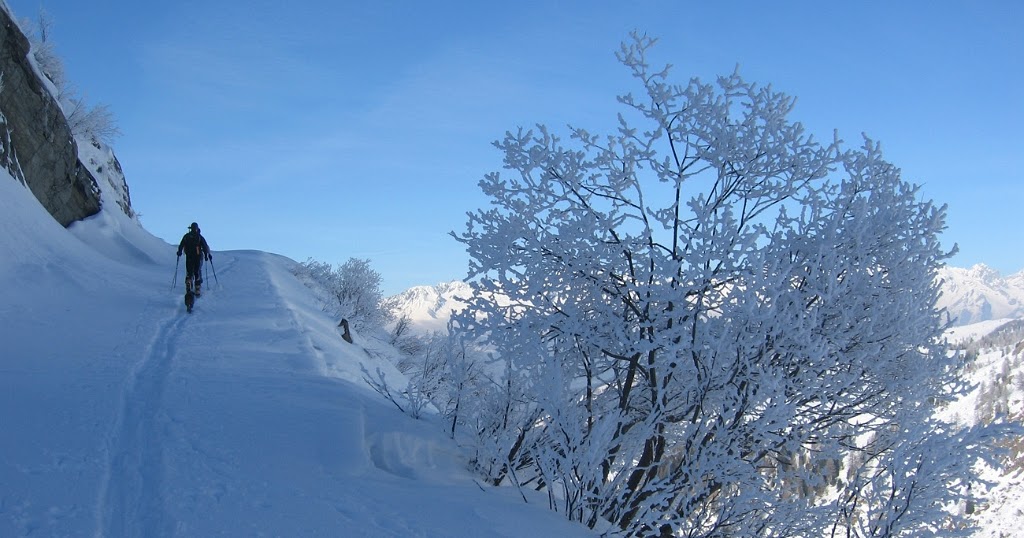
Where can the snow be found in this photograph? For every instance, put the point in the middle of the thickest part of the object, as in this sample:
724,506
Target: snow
980,293
1004,517
997,377
966,333
122,415
429,308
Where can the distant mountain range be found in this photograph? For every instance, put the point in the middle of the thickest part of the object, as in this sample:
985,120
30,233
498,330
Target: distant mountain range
430,307
968,295
981,294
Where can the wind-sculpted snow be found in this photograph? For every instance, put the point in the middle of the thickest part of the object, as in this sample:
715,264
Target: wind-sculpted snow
124,416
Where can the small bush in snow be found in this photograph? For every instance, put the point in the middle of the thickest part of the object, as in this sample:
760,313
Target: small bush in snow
349,291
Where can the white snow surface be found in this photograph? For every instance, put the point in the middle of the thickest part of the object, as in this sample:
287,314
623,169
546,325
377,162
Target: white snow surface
962,334
122,415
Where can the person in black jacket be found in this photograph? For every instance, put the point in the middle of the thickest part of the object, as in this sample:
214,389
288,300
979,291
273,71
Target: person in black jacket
193,244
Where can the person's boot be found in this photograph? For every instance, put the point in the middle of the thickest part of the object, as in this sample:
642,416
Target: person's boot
190,297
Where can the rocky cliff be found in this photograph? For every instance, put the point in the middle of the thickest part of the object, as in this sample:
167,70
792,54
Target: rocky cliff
36,144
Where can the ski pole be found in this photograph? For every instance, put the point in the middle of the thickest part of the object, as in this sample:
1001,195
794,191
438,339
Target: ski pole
215,279
174,281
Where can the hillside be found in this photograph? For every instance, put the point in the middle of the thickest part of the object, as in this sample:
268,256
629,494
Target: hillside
250,416
997,373
125,416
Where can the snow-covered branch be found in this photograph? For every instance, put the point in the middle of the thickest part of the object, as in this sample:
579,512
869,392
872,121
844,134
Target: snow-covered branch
712,323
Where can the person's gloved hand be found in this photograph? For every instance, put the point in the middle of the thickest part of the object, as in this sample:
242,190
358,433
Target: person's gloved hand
209,257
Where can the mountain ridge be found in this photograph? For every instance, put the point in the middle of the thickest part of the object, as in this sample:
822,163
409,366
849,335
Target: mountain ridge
969,295
980,293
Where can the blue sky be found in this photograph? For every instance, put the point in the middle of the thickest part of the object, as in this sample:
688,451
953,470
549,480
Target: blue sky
331,129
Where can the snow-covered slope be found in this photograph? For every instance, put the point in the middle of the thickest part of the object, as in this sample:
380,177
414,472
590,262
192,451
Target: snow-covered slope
981,293
124,416
121,415
997,374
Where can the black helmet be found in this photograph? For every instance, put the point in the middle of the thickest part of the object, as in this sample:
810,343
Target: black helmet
194,227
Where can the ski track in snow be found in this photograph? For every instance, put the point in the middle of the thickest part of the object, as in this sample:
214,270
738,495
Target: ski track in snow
130,498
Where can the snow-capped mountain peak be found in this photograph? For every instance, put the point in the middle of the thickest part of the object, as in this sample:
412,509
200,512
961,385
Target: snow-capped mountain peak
429,307
985,274
980,293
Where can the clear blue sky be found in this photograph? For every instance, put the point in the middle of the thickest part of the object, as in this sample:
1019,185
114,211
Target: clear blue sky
333,129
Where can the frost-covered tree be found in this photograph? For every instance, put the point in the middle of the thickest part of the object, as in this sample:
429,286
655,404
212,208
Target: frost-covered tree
92,123
349,291
95,123
713,324
44,52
